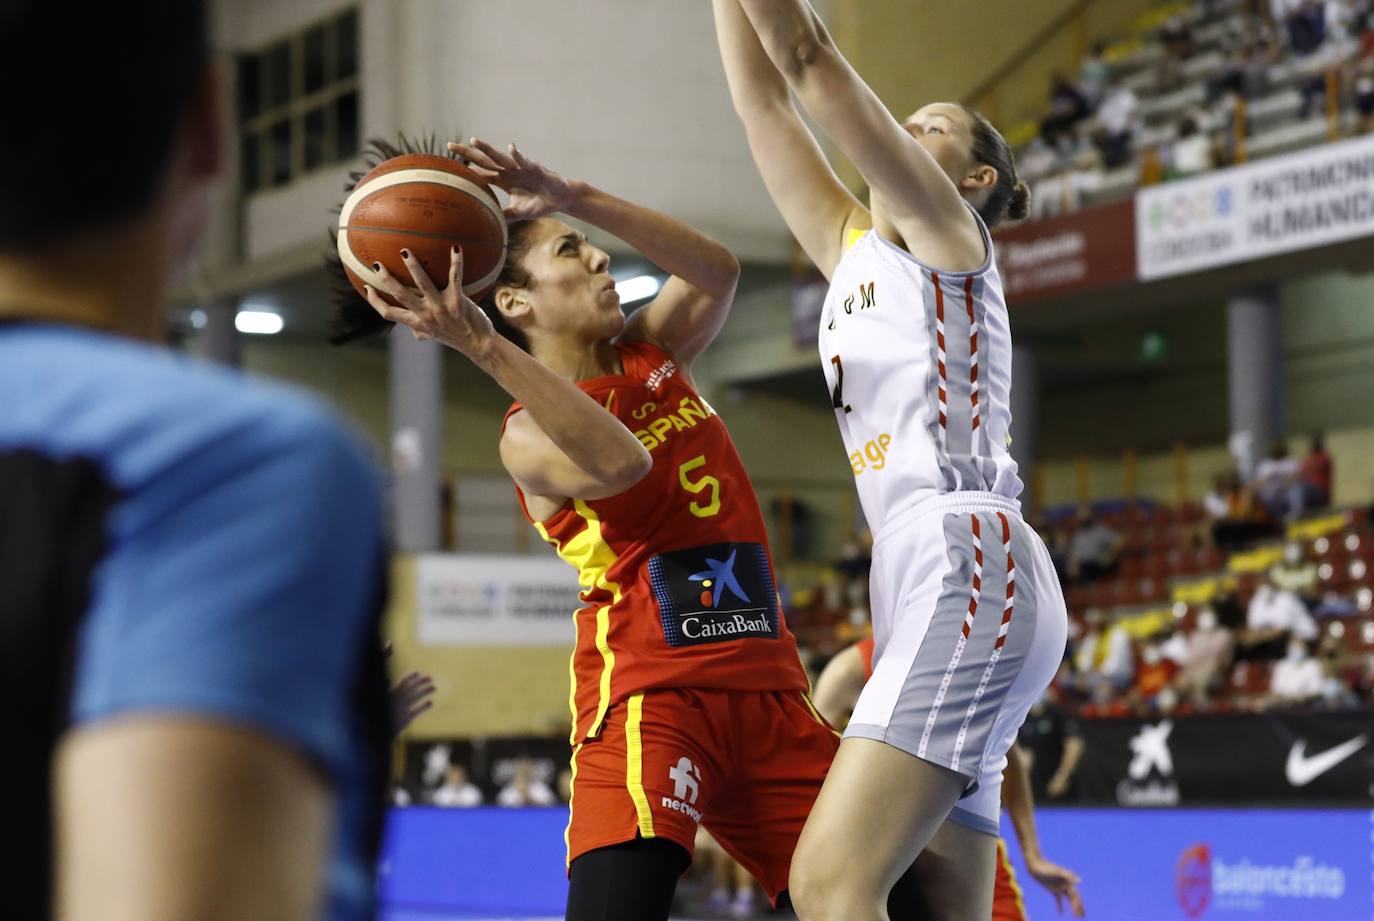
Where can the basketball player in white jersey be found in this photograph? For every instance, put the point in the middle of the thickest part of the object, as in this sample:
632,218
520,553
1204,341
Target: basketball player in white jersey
968,615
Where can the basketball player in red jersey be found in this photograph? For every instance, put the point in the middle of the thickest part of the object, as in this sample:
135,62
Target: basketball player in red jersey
689,701
837,690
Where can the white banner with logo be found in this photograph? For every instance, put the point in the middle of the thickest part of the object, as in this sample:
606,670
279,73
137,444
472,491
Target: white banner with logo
471,600
1312,198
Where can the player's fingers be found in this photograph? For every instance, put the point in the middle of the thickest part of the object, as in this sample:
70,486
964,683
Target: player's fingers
387,311
455,270
1058,901
387,649
474,156
391,285
422,279
520,158
502,159
1076,904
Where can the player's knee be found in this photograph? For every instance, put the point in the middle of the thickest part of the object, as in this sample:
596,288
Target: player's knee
822,890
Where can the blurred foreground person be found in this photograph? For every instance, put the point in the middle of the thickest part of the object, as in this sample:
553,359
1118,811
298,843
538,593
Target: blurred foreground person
188,612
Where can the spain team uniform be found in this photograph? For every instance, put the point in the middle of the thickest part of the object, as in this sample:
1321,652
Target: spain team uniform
1007,901
179,540
968,617
689,702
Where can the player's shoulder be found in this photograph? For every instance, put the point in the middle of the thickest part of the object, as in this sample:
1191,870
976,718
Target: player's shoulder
141,410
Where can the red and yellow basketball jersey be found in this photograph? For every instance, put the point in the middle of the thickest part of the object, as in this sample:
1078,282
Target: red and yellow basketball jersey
677,579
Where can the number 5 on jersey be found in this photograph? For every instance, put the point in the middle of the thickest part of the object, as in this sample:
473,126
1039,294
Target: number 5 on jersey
697,487
837,395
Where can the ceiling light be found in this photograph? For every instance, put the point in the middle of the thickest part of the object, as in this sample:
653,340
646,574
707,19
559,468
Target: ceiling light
637,288
260,322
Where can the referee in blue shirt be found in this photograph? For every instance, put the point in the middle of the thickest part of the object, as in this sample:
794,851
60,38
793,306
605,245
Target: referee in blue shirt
191,565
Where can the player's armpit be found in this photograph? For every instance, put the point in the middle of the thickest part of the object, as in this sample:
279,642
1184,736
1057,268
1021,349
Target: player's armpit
160,816
540,468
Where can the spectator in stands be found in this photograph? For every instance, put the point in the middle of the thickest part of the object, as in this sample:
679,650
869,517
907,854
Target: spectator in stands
1173,644
1118,120
525,789
1243,517
1336,693
1177,38
1296,573
1036,161
1206,660
456,790
1093,75
1275,617
1227,606
1305,21
856,559
1093,550
1105,656
1362,88
1216,504
1053,746
1065,189
1298,677
1231,79
1314,475
1278,483
1154,673
1067,108
1191,152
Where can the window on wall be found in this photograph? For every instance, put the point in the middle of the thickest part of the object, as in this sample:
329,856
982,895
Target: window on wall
298,103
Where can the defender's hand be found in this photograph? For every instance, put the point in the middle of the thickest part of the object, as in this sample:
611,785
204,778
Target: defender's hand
1061,882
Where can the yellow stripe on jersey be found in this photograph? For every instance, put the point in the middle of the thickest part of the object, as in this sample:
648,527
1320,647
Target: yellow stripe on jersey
853,236
588,553
572,658
1005,860
572,786
634,765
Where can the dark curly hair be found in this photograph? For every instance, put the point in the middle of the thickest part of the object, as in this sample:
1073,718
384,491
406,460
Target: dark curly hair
1010,197
354,317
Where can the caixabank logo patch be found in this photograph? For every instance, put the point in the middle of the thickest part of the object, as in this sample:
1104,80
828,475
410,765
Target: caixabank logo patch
1240,887
715,593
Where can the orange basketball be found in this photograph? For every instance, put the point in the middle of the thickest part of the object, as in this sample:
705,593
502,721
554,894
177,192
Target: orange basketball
428,205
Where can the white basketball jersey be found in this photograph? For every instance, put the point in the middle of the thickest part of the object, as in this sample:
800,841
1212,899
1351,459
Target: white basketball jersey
918,363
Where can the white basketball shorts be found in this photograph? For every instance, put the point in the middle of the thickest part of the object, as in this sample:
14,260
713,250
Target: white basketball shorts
969,626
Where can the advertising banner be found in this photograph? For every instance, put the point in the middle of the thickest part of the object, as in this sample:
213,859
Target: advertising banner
1092,248
1312,198
1163,865
1272,758
1208,864
472,600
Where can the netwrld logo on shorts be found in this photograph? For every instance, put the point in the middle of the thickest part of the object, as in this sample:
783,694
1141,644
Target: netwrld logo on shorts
715,593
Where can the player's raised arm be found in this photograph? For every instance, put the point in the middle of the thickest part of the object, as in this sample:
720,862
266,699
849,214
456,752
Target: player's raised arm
914,188
814,203
564,444
690,309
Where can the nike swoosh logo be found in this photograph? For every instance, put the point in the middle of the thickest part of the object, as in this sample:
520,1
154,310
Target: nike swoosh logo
1302,769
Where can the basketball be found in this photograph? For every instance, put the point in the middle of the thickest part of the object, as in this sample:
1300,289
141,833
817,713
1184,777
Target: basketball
427,204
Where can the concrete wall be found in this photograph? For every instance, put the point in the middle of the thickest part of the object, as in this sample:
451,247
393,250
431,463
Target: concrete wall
629,95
